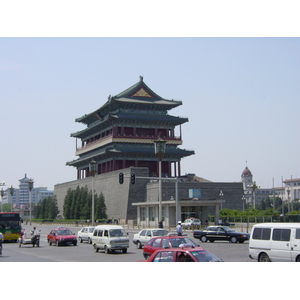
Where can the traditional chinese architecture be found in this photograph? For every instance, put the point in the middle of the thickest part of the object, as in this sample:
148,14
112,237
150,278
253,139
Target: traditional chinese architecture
121,134
119,137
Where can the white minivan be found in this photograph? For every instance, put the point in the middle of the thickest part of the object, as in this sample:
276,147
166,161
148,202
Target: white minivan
110,238
275,242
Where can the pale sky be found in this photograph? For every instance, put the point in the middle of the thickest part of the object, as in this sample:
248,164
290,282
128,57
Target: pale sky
241,96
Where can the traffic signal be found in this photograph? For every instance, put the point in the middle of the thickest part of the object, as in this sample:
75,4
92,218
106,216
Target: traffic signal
132,178
121,178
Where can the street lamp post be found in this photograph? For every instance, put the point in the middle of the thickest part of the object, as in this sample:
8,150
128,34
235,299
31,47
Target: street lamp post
221,196
11,191
92,168
160,149
30,187
288,199
243,200
2,194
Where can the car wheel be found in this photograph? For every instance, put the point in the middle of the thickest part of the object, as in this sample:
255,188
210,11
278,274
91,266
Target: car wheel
75,243
49,243
233,239
146,256
57,244
95,248
89,240
264,258
124,250
80,240
298,259
203,239
106,250
139,245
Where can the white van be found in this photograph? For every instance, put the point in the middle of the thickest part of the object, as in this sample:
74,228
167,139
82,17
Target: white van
110,238
275,242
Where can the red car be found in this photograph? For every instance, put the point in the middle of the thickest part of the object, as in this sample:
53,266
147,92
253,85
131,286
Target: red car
61,236
183,254
166,242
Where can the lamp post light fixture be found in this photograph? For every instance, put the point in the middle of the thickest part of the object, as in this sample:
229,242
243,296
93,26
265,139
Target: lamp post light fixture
221,196
243,200
11,191
93,170
30,187
159,149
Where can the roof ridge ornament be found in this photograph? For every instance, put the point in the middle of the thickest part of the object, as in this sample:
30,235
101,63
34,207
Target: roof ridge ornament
141,78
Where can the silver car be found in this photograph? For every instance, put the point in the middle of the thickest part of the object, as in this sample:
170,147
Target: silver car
85,234
145,235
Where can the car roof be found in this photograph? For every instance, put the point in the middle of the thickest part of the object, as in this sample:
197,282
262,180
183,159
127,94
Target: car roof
109,227
278,225
170,237
154,229
183,249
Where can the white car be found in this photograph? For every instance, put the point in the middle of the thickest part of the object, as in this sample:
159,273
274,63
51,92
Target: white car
85,234
145,235
188,223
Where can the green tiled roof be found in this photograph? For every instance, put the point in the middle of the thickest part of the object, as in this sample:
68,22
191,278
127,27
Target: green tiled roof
137,95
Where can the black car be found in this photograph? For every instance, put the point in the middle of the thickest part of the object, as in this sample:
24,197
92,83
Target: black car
218,233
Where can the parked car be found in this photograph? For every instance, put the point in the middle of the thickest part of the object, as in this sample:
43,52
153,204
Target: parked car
190,223
166,242
61,236
145,235
183,254
85,234
218,233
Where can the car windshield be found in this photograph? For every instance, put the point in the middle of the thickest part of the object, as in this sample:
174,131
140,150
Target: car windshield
117,232
64,232
175,242
91,229
204,256
160,232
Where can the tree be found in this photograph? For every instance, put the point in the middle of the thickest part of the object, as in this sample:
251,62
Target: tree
47,208
78,204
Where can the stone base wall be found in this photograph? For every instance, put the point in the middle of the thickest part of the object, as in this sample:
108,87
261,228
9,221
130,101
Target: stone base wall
118,197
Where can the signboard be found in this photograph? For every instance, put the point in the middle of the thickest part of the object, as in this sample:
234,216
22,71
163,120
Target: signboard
194,193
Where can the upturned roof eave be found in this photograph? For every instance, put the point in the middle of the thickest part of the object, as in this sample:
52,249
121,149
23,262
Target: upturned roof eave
125,97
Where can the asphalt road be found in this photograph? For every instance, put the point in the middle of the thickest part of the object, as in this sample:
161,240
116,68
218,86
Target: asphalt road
84,252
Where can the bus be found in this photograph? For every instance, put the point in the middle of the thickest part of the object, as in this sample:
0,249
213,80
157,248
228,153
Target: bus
10,225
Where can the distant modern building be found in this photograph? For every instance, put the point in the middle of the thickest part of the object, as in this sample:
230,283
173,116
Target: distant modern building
21,196
119,136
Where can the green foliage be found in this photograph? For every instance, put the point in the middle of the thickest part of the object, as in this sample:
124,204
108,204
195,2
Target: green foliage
46,208
78,204
6,207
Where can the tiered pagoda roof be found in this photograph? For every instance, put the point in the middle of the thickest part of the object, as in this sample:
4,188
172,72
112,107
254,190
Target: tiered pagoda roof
139,107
